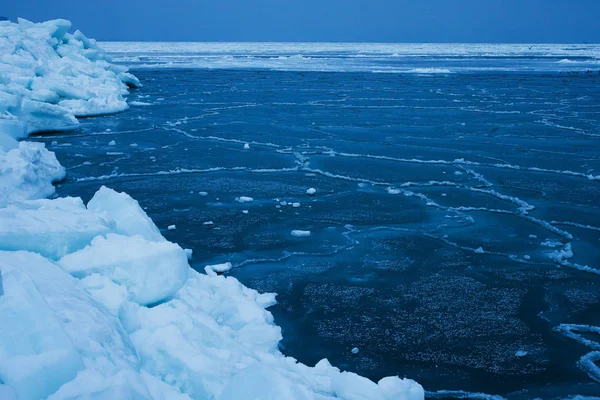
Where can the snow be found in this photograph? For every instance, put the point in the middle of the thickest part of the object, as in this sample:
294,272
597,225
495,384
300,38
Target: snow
299,233
94,301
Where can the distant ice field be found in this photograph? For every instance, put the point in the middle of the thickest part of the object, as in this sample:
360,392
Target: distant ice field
453,236
360,57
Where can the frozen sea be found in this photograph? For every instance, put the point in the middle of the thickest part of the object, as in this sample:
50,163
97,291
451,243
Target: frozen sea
451,180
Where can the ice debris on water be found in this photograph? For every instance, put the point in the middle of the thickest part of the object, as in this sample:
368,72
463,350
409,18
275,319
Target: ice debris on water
355,350
244,199
479,250
299,233
296,205
112,143
311,191
171,227
246,146
212,270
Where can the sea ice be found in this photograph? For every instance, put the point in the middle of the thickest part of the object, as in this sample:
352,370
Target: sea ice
244,199
299,233
311,191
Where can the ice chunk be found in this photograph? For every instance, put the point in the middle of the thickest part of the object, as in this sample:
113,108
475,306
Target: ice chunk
171,227
120,207
521,353
311,191
244,199
7,393
217,268
36,355
150,271
299,233
27,172
203,194
296,205
52,228
355,350
246,146
112,143
479,250
50,76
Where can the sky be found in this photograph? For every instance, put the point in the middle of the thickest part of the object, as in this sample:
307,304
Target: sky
402,21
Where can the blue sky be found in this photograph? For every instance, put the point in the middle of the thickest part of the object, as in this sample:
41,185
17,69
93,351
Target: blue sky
510,21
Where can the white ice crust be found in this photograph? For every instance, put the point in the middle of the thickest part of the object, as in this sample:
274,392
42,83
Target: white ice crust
94,301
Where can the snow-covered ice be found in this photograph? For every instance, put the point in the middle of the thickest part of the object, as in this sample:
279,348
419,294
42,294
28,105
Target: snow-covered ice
94,301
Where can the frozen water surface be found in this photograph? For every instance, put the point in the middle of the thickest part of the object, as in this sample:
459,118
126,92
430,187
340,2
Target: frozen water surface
416,170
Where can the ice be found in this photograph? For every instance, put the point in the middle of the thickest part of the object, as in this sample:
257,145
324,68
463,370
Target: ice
296,205
50,76
246,146
300,233
51,228
27,170
171,227
150,271
244,199
120,207
112,143
311,191
479,250
36,354
217,268
355,350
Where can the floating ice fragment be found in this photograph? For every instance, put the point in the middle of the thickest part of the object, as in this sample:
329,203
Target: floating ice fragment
527,257
311,191
283,203
245,211
521,353
87,163
532,236
203,194
208,223
299,233
355,350
112,143
213,270
393,191
246,146
244,199
171,227
296,205
133,144
479,250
